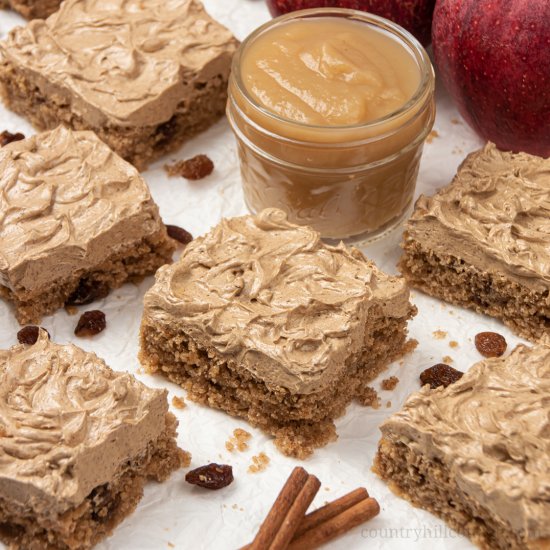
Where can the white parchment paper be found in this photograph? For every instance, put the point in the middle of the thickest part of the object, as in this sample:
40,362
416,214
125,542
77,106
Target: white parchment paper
177,515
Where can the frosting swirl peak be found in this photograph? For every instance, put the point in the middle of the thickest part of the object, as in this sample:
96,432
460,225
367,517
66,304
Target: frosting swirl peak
61,411
492,430
65,201
124,62
275,298
496,213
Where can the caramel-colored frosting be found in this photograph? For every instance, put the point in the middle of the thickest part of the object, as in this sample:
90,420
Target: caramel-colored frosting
66,203
67,423
122,62
491,430
495,215
272,297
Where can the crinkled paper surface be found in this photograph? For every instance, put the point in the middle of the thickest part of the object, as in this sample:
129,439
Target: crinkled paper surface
178,515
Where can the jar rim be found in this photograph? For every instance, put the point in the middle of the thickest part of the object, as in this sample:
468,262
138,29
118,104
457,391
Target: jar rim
426,84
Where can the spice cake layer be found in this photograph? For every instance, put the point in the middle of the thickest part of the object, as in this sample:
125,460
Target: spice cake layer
145,75
261,319
75,221
483,241
476,453
32,9
78,441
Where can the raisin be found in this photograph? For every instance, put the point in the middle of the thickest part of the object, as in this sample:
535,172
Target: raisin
29,334
194,168
179,234
7,137
91,323
211,476
490,344
87,292
165,133
440,375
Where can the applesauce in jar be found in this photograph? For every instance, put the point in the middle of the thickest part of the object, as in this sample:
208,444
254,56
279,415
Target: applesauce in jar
331,109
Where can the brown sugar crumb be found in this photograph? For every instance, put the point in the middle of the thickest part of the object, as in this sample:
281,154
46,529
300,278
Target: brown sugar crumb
490,344
194,168
179,234
29,335
432,135
439,334
440,375
238,441
71,310
259,463
390,383
186,458
91,323
7,137
455,121
410,346
388,404
448,359
453,344
178,402
375,403
212,476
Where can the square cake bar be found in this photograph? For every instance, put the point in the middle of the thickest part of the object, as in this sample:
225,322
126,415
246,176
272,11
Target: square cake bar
144,75
259,318
75,221
32,9
77,445
476,453
483,242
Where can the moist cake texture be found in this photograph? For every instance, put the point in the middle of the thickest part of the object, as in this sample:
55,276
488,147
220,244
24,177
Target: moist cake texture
77,444
32,9
145,75
483,242
476,453
75,221
259,318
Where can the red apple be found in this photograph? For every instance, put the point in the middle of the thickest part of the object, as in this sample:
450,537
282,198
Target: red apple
494,58
413,15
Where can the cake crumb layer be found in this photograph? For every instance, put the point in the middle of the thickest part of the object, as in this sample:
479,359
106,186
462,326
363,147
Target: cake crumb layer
78,442
476,452
144,75
75,221
32,9
482,242
259,318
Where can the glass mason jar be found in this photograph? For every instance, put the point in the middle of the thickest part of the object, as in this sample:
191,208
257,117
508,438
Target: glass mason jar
353,183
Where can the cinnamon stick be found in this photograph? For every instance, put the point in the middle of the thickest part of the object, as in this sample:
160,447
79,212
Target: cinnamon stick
296,514
330,510
274,519
338,525
334,508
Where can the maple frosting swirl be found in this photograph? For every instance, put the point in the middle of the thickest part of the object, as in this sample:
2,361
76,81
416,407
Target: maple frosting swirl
492,430
61,409
66,200
271,296
124,62
495,213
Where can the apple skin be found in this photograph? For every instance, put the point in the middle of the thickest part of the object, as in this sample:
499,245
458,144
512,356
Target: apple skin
494,58
413,15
